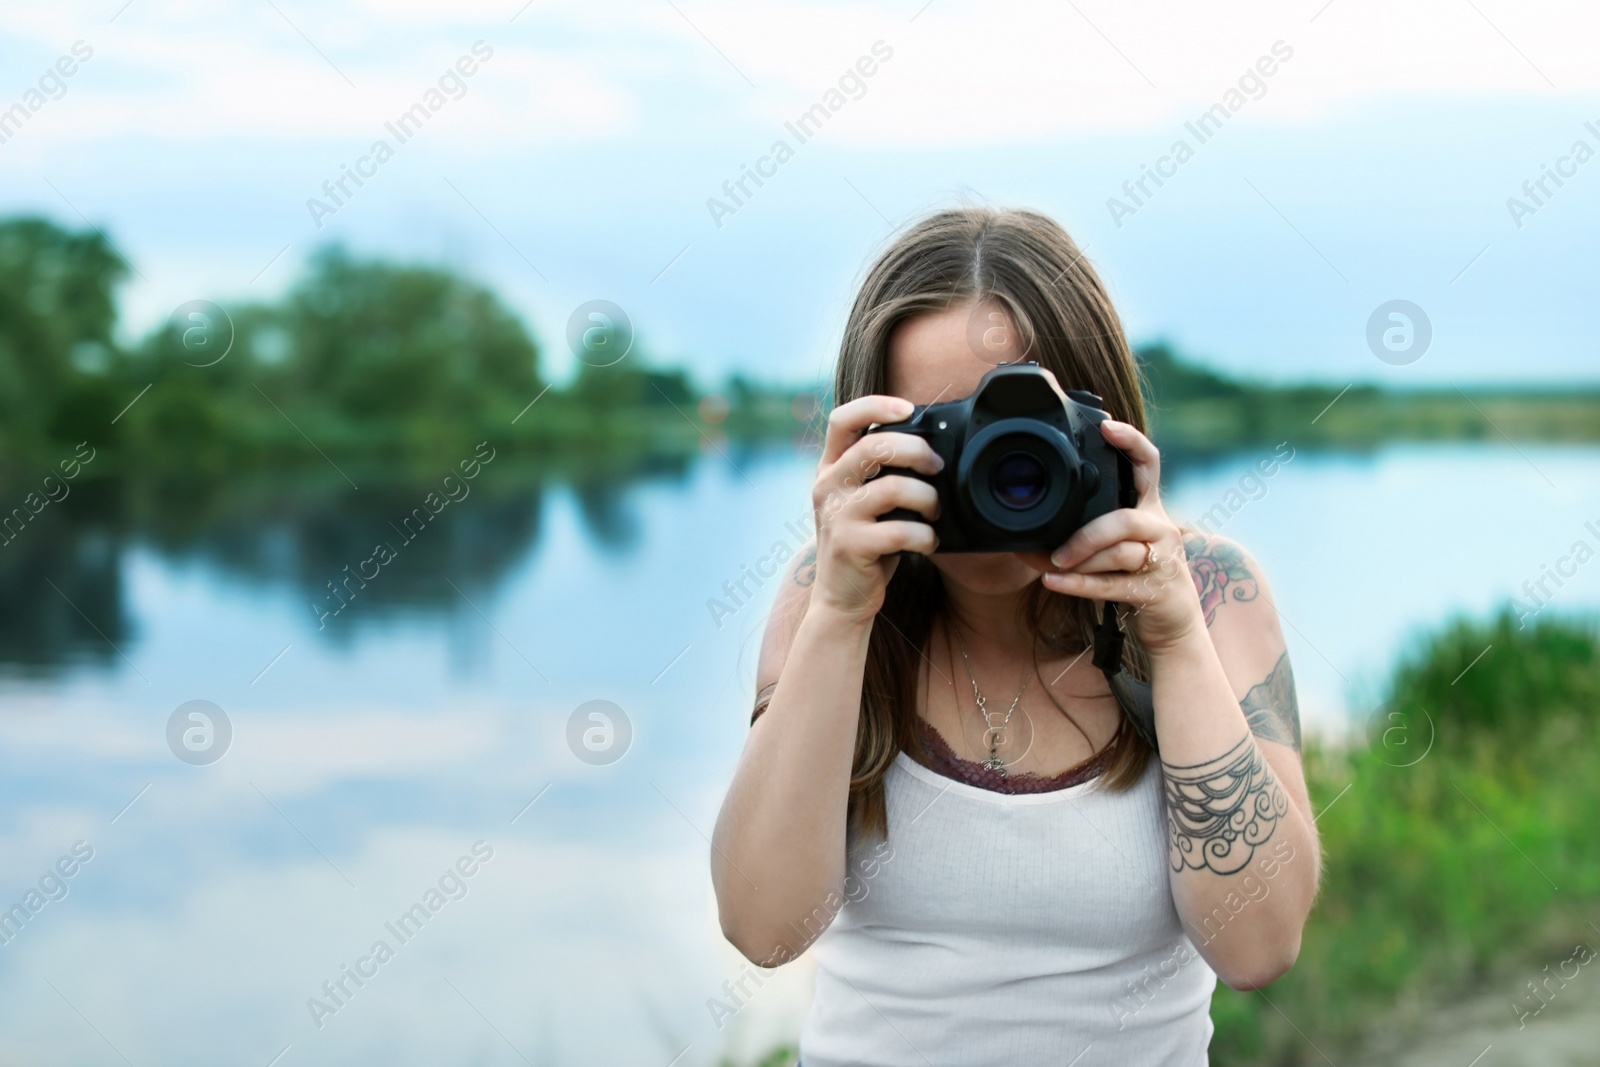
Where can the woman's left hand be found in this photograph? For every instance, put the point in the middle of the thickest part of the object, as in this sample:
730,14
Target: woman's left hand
1105,560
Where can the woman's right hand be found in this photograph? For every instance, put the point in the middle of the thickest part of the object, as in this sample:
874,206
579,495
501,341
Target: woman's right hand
857,554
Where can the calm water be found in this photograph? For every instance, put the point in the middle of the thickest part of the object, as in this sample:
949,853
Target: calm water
370,757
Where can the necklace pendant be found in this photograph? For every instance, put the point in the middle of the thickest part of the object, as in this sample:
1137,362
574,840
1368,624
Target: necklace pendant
995,764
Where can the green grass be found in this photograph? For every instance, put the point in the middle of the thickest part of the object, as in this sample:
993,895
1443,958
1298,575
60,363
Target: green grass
1443,865
783,1056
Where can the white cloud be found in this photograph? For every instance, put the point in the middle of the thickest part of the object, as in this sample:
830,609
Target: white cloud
962,73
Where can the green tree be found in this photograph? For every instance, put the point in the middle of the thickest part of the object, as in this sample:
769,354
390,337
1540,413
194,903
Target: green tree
1171,379
375,340
57,310
630,386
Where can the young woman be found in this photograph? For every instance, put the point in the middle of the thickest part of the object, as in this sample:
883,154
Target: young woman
940,789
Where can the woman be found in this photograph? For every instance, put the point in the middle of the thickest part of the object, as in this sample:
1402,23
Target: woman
939,787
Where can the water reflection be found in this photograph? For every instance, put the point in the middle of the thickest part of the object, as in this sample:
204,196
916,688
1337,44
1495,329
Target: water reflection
354,558
432,711
61,583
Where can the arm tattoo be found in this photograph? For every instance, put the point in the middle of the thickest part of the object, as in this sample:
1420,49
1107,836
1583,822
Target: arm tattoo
1271,708
1219,812
1219,573
805,572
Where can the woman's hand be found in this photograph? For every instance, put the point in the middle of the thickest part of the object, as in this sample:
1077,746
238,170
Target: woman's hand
856,554
1105,559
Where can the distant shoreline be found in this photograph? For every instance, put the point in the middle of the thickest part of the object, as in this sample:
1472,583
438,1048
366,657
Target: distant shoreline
399,366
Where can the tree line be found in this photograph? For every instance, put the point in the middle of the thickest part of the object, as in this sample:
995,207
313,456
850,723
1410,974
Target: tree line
361,357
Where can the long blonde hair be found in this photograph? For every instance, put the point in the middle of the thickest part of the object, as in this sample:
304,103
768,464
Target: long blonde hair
1064,320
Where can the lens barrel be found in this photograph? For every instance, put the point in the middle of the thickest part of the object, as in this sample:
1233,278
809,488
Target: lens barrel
1020,475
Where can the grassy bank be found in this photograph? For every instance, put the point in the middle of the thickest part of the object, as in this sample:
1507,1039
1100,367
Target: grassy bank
1194,409
1459,865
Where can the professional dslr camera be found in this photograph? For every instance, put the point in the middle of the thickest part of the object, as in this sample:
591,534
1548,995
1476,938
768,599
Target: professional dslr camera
1023,469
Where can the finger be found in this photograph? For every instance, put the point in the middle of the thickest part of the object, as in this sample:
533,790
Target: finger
1141,452
898,535
846,421
868,456
1124,557
891,491
1120,588
1124,524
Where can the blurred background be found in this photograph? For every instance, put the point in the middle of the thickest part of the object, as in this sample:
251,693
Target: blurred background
400,404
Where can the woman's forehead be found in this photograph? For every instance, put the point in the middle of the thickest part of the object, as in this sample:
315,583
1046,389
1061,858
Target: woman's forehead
942,355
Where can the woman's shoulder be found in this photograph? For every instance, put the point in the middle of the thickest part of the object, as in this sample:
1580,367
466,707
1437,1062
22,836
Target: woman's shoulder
1229,580
1243,622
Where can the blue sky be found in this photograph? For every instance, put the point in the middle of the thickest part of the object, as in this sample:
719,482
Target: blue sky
1375,163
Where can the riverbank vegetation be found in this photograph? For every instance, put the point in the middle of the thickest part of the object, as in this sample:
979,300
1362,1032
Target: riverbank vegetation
365,360
1458,847
361,360
1196,409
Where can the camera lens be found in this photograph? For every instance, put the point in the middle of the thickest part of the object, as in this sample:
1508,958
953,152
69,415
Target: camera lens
1019,480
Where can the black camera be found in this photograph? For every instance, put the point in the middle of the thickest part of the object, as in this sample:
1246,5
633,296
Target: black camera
1023,470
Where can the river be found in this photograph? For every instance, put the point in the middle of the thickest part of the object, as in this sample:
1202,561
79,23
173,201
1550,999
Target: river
229,910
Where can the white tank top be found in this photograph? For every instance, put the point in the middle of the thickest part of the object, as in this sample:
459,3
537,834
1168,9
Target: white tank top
1003,929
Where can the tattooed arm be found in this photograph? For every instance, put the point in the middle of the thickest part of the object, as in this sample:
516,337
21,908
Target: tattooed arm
1271,708
1220,572
1241,840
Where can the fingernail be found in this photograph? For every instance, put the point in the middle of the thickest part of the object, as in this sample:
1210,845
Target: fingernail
938,462
1059,559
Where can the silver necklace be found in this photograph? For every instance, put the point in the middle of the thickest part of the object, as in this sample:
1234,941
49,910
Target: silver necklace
993,735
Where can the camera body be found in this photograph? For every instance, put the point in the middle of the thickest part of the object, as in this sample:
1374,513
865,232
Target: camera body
1023,469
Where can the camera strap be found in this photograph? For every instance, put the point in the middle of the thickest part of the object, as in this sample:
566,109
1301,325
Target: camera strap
1133,695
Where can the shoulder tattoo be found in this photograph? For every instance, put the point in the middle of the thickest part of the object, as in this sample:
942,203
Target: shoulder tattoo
1220,811
1272,709
1219,573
